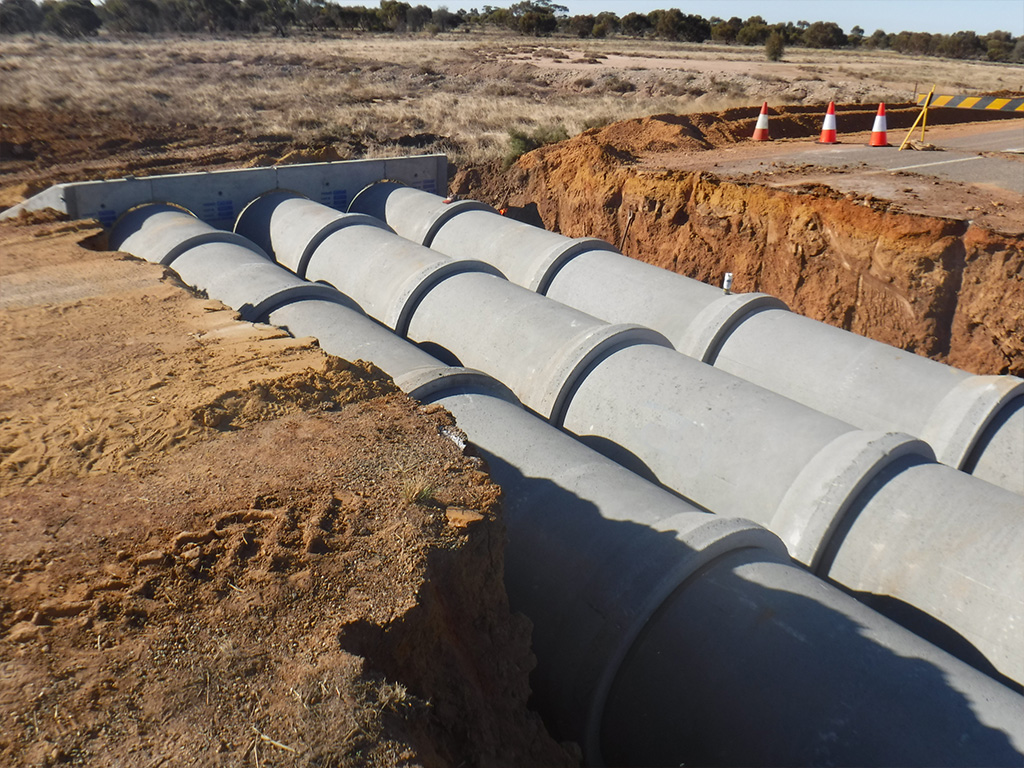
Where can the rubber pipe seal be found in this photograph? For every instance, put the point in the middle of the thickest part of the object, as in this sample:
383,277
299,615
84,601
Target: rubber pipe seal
372,201
555,384
707,542
546,266
255,222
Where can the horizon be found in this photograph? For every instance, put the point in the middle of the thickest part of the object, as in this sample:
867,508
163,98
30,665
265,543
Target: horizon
893,16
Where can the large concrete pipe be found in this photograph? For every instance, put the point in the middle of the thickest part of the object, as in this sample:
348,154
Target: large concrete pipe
722,442
389,277
975,423
598,558
303,228
220,263
593,554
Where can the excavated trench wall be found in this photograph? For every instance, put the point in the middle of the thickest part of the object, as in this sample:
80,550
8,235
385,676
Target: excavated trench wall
942,288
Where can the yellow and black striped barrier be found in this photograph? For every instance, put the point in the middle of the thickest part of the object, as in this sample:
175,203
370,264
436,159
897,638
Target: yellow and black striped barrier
974,102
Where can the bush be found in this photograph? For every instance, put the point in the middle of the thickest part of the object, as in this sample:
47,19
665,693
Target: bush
616,84
774,46
71,18
520,142
20,16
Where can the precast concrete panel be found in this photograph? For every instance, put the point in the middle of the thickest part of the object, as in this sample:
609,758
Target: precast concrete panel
947,545
786,645
537,347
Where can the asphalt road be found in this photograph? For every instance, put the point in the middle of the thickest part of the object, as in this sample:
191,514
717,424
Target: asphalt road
960,158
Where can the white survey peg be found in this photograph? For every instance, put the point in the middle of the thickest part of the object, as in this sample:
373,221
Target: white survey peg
727,282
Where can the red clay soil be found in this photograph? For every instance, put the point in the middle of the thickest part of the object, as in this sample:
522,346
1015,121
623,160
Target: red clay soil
943,287
221,547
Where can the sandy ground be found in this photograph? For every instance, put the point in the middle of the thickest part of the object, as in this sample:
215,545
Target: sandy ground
218,546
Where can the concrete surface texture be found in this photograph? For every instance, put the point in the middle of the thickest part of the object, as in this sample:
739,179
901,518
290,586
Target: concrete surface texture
866,383
722,442
618,573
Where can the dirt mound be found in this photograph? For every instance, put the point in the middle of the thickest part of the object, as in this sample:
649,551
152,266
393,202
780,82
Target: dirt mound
699,131
340,382
219,546
941,287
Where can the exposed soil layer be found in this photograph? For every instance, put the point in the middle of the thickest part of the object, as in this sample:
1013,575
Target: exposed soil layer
220,546
945,287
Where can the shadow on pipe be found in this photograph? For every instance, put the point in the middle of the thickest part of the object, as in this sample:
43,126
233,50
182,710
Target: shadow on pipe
752,678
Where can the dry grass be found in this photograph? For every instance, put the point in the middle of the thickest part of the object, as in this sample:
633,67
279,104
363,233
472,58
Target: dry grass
457,93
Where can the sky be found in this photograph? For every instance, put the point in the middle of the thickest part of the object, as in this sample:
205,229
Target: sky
935,16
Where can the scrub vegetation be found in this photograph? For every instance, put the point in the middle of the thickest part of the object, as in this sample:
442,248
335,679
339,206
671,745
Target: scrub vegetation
354,95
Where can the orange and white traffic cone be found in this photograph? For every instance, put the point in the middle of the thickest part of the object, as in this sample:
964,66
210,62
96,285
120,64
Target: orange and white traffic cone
828,129
878,132
761,129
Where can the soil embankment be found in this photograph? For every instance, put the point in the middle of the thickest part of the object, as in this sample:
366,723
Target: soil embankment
219,546
943,287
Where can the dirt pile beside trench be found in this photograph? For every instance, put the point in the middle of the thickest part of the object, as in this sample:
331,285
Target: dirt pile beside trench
940,287
219,546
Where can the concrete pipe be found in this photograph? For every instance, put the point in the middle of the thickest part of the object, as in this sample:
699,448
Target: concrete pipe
234,271
386,274
420,216
613,570
539,348
863,677
596,554
722,442
295,224
528,256
160,232
390,277
866,383
731,453
869,383
351,335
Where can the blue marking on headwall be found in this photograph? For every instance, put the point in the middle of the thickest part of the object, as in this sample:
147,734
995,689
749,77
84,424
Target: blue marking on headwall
216,210
335,198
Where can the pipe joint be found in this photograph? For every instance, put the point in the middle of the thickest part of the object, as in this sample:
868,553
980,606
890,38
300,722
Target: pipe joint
814,505
707,333
957,422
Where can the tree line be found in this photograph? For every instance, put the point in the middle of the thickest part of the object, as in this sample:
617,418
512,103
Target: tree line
81,18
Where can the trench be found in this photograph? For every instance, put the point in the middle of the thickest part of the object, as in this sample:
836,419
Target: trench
944,288
615,571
